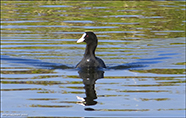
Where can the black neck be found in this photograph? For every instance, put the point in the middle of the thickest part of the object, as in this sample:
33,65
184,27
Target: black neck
90,50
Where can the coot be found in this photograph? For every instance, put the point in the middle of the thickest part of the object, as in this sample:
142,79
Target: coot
90,60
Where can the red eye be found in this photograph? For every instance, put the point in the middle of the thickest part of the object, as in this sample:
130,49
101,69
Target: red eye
86,35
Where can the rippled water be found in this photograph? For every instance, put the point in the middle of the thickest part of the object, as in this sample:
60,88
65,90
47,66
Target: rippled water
142,44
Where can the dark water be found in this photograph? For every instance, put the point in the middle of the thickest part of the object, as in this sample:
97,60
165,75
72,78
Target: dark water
142,44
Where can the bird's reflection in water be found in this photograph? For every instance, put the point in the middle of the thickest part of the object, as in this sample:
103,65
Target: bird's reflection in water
89,76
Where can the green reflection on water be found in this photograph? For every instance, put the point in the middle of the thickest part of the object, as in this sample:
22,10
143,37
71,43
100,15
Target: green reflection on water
35,71
142,13
53,106
162,71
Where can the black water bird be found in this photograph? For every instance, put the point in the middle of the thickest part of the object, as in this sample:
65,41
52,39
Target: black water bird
90,60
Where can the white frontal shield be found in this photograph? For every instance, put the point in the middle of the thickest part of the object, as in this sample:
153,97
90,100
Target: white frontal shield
82,38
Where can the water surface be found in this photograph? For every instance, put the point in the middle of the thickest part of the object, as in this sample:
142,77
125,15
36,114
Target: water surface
142,44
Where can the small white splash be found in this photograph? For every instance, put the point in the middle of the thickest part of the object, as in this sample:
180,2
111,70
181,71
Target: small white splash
81,102
88,60
80,98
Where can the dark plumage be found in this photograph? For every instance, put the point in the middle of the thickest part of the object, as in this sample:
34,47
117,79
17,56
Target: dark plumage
90,60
